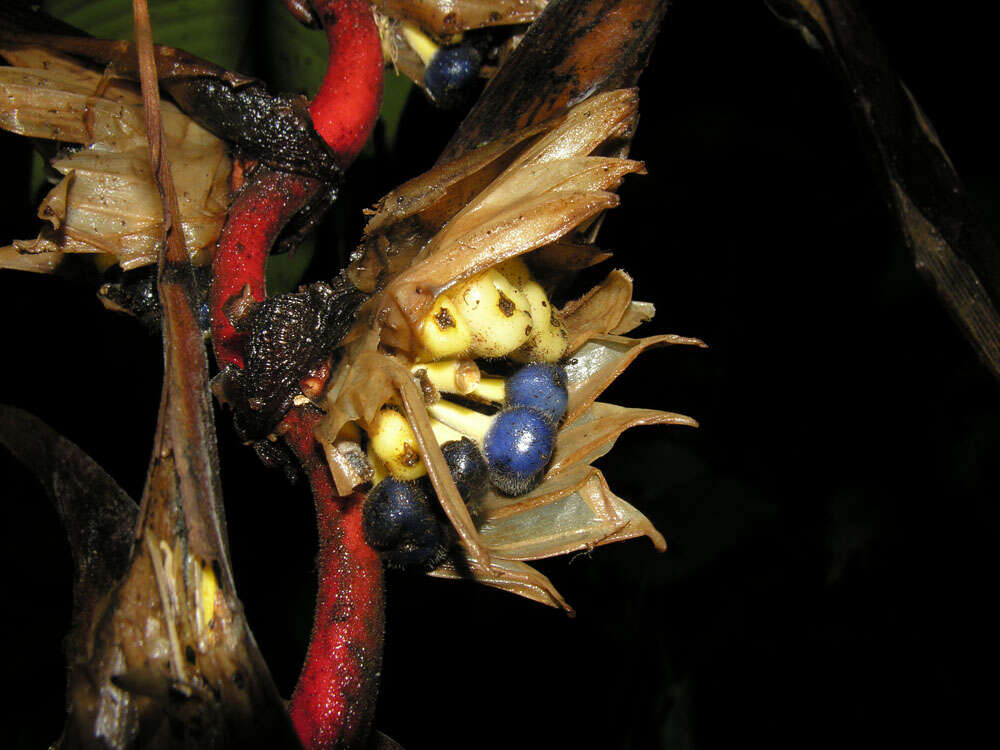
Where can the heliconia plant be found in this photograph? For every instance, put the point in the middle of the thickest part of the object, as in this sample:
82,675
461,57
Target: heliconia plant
439,394
341,375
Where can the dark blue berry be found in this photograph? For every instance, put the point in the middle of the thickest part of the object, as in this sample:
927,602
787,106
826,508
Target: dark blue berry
518,446
397,520
205,316
468,469
540,386
450,72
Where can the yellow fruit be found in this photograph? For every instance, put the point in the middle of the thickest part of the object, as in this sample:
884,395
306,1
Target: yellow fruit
548,337
379,472
516,272
444,332
459,376
393,441
490,389
466,421
497,312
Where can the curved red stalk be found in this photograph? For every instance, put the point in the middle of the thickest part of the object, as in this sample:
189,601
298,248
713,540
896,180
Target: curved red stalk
258,214
334,700
347,104
344,113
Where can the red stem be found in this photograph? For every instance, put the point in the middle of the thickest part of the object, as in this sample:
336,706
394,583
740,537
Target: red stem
346,106
258,214
334,700
344,113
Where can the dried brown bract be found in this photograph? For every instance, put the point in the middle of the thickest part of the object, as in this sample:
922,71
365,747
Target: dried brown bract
107,201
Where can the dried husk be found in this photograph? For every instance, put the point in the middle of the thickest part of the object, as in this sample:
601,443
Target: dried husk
444,18
546,193
107,201
598,311
596,364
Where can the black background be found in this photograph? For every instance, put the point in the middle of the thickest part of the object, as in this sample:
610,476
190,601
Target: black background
832,524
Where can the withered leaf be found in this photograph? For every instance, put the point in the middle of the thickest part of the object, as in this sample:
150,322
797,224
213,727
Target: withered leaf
576,48
444,19
98,515
951,245
107,201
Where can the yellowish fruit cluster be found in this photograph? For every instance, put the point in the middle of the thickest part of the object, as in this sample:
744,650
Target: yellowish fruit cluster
500,313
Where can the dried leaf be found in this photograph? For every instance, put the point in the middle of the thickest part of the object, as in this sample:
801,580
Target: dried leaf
575,49
594,433
598,311
564,256
636,314
444,19
108,201
509,575
584,515
595,365
452,183
46,260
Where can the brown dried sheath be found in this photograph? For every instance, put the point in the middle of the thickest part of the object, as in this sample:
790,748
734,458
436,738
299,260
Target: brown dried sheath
576,48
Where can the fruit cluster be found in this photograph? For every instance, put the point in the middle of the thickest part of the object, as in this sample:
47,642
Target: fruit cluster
412,422
494,432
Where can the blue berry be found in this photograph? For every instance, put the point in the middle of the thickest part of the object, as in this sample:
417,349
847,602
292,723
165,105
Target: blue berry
468,468
540,386
518,445
451,71
397,521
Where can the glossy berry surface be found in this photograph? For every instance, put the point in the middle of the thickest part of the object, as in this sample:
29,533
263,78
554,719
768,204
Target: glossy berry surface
397,520
518,446
540,386
450,72
468,468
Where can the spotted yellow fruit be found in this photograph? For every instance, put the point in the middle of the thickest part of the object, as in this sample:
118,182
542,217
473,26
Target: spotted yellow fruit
498,314
516,271
548,339
444,332
394,442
